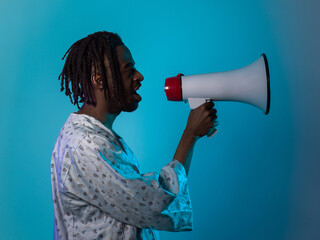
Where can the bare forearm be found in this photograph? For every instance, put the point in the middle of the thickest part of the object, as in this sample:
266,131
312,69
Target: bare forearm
198,124
184,150
188,159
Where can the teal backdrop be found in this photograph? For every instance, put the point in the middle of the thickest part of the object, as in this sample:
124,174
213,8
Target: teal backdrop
256,179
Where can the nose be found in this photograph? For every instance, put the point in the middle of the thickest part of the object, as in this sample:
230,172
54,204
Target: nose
139,76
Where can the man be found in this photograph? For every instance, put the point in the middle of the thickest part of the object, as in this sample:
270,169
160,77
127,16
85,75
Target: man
98,189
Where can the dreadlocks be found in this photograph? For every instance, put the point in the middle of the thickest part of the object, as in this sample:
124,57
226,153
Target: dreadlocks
84,54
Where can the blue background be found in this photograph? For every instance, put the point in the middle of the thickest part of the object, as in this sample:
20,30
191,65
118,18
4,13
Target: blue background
258,178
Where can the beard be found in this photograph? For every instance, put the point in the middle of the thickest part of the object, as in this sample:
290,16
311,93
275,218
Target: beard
129,105
126,103
130,108
129,101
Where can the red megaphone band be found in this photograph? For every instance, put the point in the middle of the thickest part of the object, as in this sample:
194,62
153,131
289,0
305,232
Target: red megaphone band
173,88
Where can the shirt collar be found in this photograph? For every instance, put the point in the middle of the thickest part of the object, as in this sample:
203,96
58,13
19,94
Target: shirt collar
92,123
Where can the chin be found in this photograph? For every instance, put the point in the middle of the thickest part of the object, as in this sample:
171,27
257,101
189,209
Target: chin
130,107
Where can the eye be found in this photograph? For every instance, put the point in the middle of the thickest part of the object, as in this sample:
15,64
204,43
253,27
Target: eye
132,70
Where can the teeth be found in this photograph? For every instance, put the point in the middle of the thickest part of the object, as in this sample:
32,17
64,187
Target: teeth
137,88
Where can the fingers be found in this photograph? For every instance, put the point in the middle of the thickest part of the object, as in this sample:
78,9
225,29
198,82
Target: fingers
208,105
202,119
213,113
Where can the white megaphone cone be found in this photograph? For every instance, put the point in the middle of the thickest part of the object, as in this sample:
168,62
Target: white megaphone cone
249,84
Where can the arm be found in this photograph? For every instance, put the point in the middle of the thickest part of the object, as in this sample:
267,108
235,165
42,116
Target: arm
199,123
185,148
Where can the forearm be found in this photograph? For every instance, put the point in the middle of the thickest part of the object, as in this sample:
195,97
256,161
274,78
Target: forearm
188,159
184,150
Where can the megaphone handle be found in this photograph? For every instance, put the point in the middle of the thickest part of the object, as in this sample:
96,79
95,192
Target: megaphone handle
212,131
196,102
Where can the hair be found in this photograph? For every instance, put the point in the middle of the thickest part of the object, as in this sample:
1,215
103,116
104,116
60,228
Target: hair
88,53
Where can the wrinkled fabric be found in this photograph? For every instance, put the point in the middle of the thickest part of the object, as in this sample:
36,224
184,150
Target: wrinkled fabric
99,191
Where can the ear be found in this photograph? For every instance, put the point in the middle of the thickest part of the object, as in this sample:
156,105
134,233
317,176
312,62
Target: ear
96,81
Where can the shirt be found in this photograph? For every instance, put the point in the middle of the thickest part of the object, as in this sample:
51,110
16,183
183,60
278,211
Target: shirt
99,191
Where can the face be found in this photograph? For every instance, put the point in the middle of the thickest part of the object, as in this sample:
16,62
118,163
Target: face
131,79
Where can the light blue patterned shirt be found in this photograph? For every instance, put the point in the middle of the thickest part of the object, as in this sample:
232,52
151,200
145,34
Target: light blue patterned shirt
99,192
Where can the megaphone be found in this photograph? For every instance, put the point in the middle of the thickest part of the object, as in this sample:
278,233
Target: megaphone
249,84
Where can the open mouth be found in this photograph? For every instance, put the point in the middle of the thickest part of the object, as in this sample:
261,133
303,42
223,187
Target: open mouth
137,96
137,88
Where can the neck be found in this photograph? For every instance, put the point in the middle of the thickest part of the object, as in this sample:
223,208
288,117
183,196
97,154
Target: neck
100,114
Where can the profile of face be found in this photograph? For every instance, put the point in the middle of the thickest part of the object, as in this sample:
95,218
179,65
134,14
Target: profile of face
131,79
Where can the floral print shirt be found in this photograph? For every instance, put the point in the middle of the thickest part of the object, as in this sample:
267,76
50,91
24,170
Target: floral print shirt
99,191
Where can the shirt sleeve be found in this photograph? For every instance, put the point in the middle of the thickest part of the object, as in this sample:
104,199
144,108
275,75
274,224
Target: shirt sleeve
146,200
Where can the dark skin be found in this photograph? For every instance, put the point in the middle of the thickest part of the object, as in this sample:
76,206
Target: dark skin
199,122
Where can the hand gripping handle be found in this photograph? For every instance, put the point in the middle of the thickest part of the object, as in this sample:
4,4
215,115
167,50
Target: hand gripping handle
196,102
